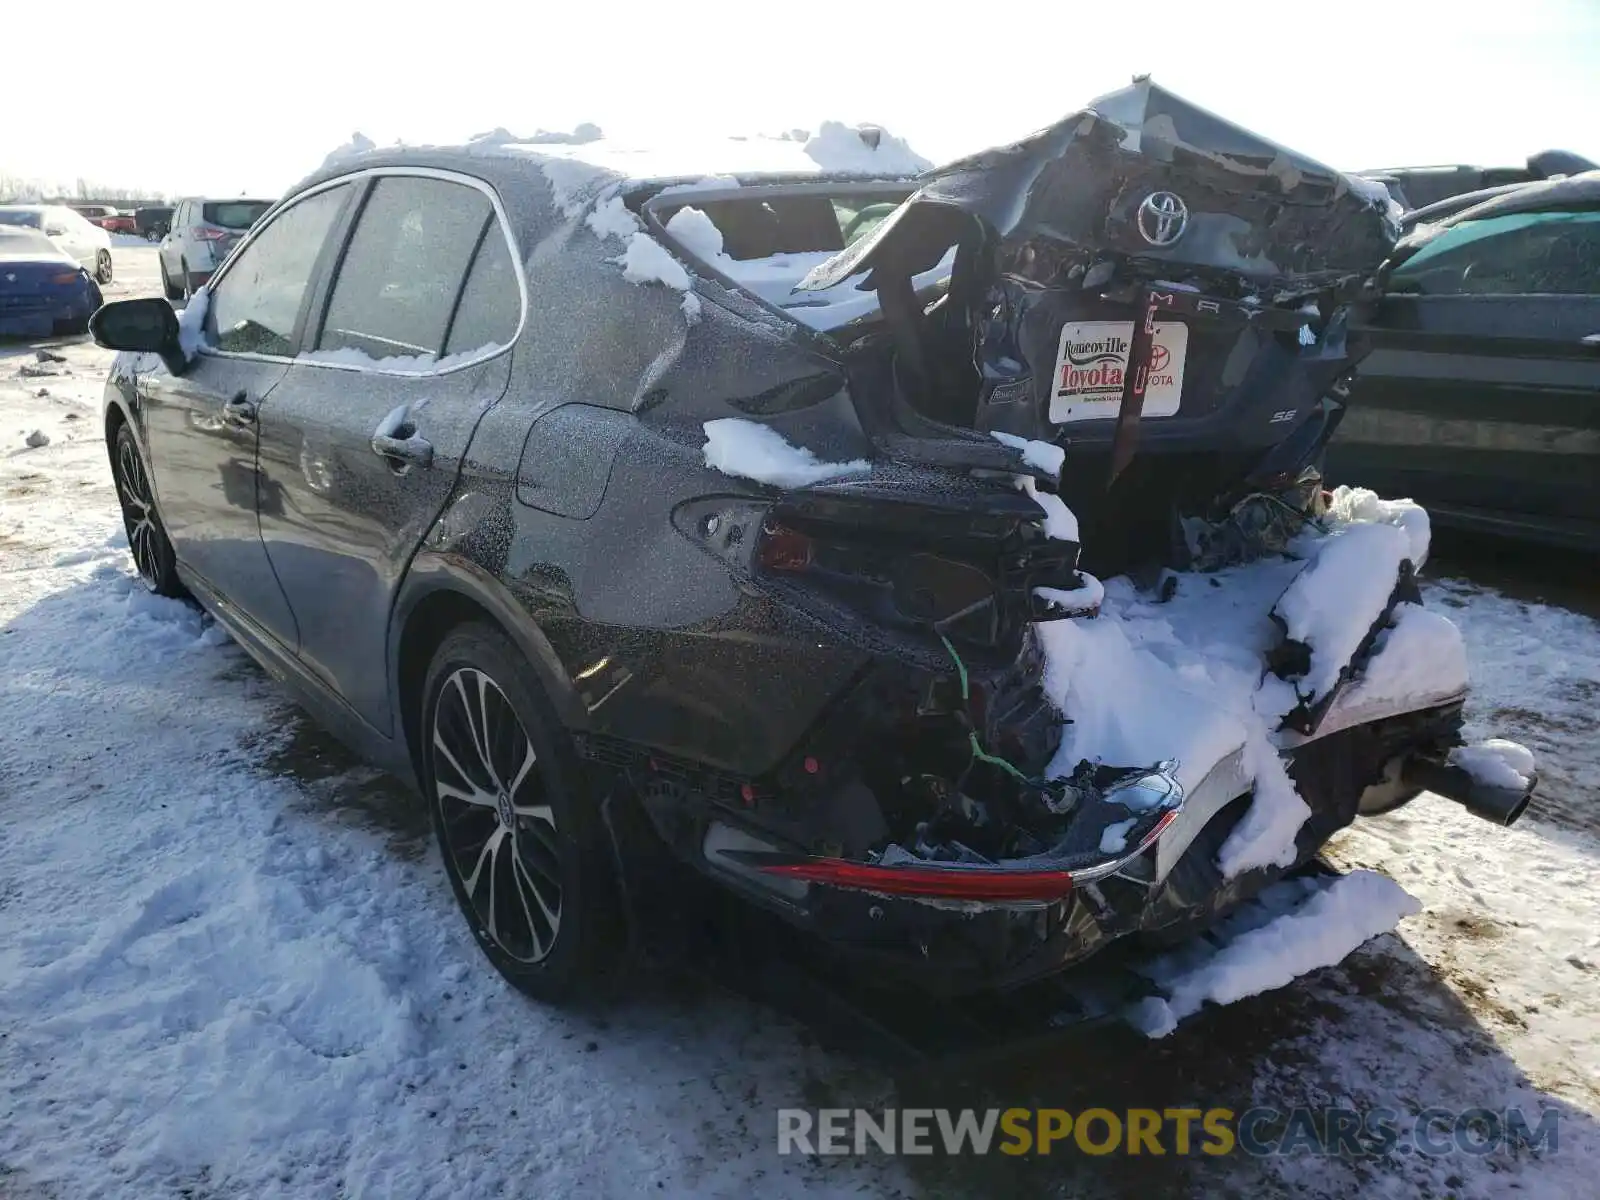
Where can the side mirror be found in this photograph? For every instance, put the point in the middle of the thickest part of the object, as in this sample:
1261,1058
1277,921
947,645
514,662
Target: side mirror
147,326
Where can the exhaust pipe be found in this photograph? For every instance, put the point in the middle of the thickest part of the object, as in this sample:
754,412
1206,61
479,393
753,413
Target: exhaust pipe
1492,802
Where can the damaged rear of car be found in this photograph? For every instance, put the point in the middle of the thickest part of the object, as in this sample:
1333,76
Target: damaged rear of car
1123,341
793,494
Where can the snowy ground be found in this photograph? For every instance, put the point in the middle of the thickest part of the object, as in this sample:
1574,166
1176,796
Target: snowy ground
230,964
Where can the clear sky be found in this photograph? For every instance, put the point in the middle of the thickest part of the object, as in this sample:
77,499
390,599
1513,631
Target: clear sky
228,98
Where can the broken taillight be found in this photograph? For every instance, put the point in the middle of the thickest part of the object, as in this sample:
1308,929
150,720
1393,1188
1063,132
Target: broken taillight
785,549
934,883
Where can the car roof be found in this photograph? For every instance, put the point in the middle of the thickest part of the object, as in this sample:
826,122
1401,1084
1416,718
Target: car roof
1577,191
578,171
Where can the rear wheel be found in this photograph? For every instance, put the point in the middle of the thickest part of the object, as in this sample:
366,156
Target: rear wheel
525,851
102,267
171,292
147,539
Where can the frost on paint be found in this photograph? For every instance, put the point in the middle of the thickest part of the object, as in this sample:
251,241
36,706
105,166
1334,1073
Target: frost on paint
751,450
1321,931
1496,763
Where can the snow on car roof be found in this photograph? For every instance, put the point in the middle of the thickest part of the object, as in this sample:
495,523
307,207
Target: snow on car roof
575,161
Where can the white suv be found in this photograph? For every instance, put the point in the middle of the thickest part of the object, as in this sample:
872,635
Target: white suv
202,233
87,243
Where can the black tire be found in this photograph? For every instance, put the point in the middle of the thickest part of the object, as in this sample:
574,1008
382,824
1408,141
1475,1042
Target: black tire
147,537
171,292
505,820
102,267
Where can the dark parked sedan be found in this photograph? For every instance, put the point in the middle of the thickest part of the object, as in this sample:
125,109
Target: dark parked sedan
492,454
1481,398
43,290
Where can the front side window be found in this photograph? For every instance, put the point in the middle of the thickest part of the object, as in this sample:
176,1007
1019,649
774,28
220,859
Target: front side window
404,267
255,306
1543,253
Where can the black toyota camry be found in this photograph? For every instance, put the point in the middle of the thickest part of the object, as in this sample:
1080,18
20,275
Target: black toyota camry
432,444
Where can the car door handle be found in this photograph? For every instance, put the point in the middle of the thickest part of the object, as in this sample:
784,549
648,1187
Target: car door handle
239,412
409,451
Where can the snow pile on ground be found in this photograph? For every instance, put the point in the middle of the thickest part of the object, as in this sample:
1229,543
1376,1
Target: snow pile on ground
751,450
1147,681
1320,931
841,149
1497,762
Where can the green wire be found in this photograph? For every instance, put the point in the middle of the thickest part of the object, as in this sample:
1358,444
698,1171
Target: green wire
978,752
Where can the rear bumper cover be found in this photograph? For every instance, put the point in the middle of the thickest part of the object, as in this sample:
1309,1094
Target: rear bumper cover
1163,886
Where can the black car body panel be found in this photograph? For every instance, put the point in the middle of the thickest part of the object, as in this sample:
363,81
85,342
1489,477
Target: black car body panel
1481,397
806,673
1421,187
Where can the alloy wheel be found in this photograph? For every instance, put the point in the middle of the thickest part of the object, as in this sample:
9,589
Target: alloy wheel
138,512
499,828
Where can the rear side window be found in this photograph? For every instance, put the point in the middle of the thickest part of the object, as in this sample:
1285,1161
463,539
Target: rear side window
404,268
254,306
28,220
234,214
491,303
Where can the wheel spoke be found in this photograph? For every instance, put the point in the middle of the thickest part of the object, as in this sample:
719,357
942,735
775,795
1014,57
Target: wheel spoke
528,759
491,848
476,796
526,884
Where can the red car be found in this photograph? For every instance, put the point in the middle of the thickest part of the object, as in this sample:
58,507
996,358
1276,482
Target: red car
106,217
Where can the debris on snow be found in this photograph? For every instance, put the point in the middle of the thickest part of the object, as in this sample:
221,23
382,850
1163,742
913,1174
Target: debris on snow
1044,455
37,438
751,450
1320,932
1496,762
46,356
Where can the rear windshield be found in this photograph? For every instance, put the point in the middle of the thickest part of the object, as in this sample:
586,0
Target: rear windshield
24,241
234,214
29,220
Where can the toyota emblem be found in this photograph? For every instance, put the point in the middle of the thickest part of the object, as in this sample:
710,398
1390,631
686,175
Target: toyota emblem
1163,217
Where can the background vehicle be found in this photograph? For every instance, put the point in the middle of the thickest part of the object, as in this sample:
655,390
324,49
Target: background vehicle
94,213
1417,187
199,237
77,238
1481,397
467,506
153,221
43,291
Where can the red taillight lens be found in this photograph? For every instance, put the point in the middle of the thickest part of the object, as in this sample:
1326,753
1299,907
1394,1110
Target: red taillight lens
205,233
784,549
946,883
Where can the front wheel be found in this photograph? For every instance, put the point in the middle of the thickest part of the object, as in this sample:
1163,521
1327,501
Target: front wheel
524,850
147,538
102,267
